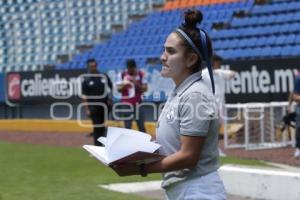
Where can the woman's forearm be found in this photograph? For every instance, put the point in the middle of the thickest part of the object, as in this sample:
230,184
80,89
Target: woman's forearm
173,162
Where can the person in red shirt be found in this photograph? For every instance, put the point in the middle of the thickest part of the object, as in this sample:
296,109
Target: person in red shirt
132,85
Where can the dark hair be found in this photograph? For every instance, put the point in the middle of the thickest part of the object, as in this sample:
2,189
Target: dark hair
216,57
191,18
91,60
131,63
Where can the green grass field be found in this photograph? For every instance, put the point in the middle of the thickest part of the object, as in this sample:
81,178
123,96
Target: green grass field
37,172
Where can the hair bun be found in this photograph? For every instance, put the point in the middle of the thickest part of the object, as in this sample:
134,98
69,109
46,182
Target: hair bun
192,18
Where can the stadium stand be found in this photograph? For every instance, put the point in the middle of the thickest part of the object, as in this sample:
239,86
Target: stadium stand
67,33
36,33
270,30
143,40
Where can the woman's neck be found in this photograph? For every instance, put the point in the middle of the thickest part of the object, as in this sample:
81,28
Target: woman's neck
178,80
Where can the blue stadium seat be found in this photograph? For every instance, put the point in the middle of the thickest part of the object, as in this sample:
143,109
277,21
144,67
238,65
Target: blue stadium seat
280,40
257,52
290,39
295,50
243,53
266,51
225,43
270,40
251,21
297,39
232,43
242,43
251,42
294,27
286,51
275,51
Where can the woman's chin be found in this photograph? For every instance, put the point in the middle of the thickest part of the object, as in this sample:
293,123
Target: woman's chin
164,73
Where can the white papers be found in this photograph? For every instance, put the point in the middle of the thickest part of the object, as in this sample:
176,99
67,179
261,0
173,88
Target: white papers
97,152
121,143
102,140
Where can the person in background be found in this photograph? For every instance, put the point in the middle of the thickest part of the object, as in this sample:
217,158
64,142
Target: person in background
132,84
295,96
220,77
188,126
97,98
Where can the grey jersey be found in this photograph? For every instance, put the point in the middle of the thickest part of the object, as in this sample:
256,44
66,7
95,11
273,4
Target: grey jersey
190,110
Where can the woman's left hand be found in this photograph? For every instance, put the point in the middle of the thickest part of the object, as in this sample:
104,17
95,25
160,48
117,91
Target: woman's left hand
126,169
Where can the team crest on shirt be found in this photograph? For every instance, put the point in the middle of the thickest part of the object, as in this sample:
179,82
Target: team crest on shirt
170,115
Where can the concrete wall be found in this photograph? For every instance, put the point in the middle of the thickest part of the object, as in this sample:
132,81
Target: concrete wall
264,184
43,111
261,183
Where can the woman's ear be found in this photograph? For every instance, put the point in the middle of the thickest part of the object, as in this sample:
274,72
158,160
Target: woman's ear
192,59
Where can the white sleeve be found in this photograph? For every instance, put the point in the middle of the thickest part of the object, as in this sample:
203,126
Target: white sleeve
119,78
225,73
144,80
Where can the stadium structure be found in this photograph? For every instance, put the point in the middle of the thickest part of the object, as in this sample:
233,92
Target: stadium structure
46,41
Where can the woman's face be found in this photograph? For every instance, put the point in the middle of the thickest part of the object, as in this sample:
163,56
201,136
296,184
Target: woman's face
173,58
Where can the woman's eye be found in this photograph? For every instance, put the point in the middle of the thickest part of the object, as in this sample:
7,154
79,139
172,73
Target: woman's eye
171,51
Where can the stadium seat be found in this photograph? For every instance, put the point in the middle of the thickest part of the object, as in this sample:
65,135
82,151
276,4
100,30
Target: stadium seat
280,40
295,50
251,42
276,51
286,51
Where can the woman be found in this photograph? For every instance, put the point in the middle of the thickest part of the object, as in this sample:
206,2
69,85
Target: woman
187,129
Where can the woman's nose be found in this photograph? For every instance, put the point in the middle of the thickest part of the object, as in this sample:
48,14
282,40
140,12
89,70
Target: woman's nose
163,57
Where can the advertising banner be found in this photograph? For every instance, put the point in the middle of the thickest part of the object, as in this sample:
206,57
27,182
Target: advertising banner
43,86
261,80
255,81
